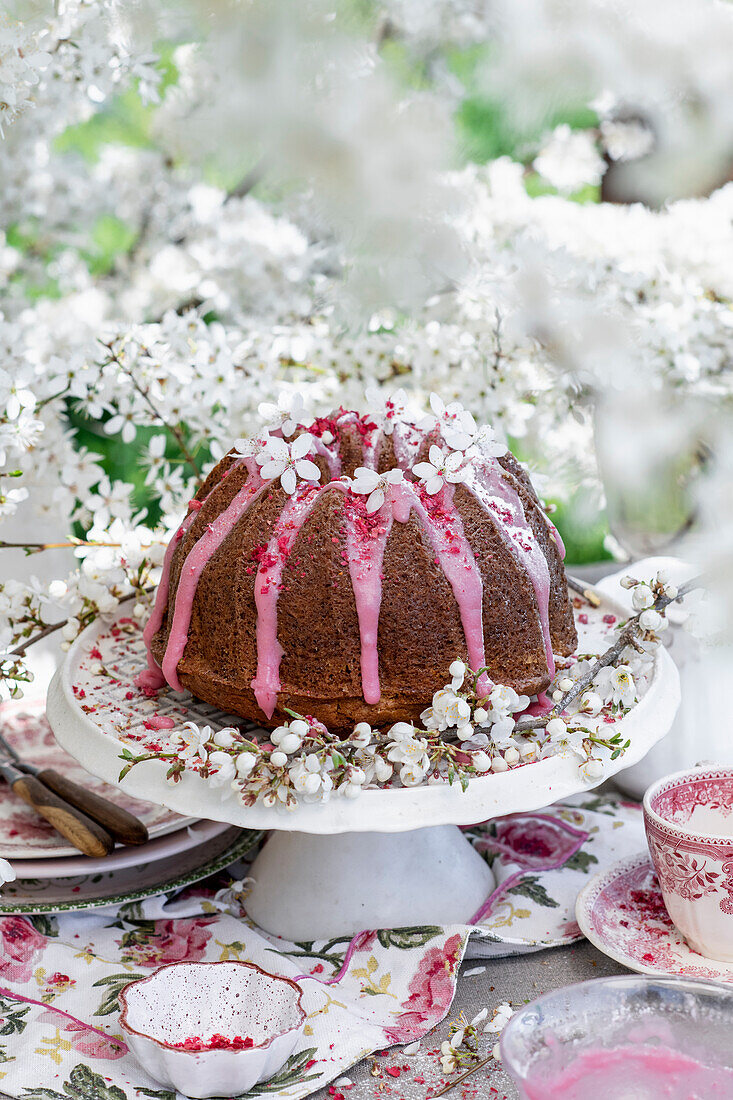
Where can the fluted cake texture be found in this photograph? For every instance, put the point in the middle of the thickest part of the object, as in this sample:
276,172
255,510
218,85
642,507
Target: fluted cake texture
310,602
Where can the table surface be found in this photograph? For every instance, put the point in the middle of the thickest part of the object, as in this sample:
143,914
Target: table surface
516,980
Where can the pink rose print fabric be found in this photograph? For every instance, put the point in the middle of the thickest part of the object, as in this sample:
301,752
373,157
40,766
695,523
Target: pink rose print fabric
20,946
172,941
60,977
431,992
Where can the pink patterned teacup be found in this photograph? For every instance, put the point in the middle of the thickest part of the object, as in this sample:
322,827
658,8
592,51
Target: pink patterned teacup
689,826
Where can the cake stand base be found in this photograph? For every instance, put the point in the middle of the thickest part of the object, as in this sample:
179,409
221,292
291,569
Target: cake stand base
308,887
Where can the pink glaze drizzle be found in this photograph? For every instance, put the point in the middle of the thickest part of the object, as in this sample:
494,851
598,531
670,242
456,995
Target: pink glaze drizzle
503,504
366,539
556,536
152,678
194,565
266,683
443,527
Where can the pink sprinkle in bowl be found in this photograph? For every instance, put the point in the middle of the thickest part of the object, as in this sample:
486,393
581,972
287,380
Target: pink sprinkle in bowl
186,1002
688,818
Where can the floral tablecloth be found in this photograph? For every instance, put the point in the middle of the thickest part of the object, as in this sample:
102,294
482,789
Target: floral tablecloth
378,989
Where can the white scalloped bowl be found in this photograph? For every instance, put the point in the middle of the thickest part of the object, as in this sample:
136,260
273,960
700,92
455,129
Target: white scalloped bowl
198,1001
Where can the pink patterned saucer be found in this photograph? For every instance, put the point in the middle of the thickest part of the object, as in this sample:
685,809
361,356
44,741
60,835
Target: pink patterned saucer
621,911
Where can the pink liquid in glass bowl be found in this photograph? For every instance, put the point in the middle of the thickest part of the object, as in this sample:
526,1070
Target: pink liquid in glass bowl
627,1038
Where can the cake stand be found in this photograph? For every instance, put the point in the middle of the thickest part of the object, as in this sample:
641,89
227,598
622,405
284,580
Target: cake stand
393,857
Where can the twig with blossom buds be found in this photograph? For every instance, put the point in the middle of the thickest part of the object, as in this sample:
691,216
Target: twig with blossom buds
628,636
174,429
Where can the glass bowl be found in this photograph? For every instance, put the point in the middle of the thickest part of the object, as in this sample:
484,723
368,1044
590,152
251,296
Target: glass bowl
625,1038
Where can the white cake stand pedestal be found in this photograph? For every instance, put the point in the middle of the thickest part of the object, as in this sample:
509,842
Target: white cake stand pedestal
391,858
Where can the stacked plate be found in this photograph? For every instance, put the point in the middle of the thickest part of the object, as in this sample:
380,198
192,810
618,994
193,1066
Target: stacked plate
53,877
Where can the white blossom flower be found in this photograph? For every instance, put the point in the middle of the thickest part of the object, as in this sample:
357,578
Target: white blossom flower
642,597
189,743
448,1059
412,774
250,448
362,734
449,710
10,499
287,461
487,444
224,770
441,468
592,769
374,486
502,1014
457,672
651,620
288,414
591,703
457,426
7,872
563,739
244,763
616,685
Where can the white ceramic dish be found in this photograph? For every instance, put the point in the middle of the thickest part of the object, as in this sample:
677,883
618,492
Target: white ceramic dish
163,847
99,732
622,912
85,891
196,1003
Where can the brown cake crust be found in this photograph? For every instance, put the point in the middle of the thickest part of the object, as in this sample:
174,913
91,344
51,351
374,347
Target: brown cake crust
420,630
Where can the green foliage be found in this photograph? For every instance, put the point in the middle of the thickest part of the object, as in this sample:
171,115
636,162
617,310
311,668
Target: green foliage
83,1084
581,861
114,983
531,887
407,938
583,529
110,238
292,1073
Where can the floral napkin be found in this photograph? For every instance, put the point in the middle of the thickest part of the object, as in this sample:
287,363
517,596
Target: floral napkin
380,988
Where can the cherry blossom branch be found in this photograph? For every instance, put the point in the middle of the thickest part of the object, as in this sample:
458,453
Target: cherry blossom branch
20,650
36,547
628,636
172,429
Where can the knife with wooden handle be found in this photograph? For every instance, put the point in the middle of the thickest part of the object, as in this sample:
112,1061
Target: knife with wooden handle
85,834
123,826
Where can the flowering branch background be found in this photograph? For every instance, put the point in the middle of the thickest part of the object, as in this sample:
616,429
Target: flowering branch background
209,207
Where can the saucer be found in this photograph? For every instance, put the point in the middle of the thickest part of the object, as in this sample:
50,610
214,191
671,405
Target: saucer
621,912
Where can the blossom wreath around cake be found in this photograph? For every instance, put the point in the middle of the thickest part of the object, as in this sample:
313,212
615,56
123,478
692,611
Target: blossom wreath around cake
389,594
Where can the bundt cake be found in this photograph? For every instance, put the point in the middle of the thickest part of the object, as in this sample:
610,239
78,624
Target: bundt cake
338,572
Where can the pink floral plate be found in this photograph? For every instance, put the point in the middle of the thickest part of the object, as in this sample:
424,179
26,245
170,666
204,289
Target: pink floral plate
24,834
621,912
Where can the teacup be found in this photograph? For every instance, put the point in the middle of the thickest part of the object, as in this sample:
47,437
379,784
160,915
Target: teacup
689,826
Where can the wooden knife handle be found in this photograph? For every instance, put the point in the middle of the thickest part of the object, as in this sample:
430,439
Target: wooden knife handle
123,826
80,830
